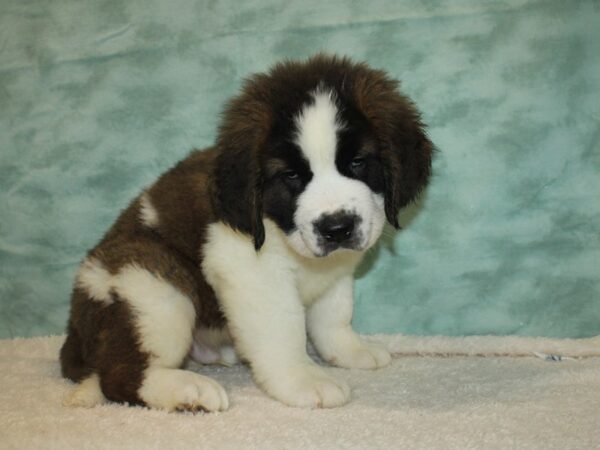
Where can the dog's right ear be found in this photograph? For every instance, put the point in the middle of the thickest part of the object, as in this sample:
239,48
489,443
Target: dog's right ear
239,193
238,174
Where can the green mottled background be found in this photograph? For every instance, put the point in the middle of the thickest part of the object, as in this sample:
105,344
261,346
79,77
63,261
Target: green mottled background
98,97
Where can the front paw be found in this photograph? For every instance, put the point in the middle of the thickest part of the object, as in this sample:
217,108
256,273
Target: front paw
308,387
361,355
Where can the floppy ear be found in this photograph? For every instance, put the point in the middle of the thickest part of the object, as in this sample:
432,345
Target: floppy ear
406,151
238,174
406,156
238,193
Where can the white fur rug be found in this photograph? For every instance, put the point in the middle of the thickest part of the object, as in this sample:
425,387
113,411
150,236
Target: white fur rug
428,402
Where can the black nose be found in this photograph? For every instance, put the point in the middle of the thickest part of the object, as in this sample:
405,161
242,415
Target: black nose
336,227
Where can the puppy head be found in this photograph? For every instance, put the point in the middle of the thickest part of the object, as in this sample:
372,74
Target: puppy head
327,149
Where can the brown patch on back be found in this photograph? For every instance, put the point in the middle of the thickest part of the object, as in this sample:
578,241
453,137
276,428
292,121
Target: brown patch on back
102,338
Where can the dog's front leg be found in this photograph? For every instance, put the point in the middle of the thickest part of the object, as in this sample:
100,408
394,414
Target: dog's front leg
268,325
329,327
267,322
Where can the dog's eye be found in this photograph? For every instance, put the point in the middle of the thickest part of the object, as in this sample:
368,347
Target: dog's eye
290,174
358,162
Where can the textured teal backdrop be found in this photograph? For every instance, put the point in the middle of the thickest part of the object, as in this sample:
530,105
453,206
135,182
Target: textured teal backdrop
98,97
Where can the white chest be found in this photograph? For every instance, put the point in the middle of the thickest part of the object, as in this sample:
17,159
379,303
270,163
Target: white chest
315,277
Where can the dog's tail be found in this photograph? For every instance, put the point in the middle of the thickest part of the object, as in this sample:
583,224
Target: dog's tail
87,393
72,362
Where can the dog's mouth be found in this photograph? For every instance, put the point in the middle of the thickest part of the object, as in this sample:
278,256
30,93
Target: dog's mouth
333,234
321,246
341,249
355,244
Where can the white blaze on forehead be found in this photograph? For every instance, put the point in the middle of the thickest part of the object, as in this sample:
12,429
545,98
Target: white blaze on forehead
317,126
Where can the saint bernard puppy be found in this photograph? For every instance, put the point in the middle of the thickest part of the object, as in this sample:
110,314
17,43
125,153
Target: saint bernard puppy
244,249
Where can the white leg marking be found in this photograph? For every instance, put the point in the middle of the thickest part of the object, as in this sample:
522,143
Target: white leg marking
203,354
86,394
182,390
229,356
95,280
164,317
213,346
328,322
266,317
148,213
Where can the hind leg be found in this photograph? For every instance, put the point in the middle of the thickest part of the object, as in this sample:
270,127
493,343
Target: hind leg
146,337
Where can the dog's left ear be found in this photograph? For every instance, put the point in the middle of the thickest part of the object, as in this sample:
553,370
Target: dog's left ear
406,156
406,151
238,175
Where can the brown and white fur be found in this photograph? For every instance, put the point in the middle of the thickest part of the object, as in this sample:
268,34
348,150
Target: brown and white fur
243,249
